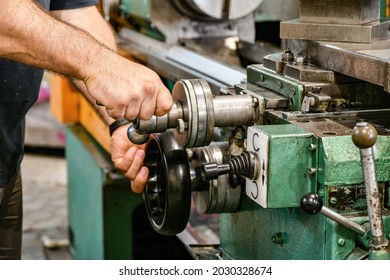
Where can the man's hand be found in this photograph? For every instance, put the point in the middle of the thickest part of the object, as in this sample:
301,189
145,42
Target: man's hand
129,158
127,89
124,81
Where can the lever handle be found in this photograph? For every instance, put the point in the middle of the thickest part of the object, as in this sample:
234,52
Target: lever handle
311,203
364,136
212,170
245,164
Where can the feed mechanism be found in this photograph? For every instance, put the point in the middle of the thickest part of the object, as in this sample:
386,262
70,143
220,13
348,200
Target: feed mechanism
294,155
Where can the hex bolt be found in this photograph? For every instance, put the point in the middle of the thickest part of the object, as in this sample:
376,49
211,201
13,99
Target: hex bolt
287,55
300,60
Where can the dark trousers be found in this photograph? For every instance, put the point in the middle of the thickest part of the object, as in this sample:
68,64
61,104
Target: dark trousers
11,220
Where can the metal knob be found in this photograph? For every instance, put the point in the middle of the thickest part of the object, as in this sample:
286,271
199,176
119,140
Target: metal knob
364,135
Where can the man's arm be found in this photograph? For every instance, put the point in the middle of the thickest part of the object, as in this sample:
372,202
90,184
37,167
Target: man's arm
89,20
126,89
126,156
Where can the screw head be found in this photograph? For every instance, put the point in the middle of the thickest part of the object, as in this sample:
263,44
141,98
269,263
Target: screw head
341,242
277,238
333,200
312,147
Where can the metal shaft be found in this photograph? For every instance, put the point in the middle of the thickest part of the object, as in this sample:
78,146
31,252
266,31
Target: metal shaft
372,196
233,110
364,136
195,114
343,220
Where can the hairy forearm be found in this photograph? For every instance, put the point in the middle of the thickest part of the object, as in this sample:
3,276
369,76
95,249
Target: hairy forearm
126,89
89,20
30,35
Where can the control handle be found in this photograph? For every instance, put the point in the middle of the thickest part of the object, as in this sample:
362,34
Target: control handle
245,164
311,203
364,136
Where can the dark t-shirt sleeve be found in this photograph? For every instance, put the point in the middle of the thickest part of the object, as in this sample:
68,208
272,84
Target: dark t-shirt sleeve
71,4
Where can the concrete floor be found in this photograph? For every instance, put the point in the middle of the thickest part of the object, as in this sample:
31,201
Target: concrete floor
45,203
44,180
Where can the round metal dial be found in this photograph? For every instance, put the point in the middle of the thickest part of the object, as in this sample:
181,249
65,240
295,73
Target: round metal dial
196,99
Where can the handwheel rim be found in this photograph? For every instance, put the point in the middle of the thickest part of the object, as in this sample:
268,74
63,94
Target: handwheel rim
168,191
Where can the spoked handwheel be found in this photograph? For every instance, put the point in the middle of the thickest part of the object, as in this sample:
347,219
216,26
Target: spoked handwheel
168,191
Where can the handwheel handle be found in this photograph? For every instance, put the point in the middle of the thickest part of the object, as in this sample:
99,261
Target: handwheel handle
167,193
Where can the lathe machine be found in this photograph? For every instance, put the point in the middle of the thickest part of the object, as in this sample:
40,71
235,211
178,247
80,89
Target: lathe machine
294,156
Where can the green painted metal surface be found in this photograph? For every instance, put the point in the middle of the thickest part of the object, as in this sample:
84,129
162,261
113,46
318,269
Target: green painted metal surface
140,12
342,242
303,235
385,9
287,179
100,202
138,8
339,161
259,76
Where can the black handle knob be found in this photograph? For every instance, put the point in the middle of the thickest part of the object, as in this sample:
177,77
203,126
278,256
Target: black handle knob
311,203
